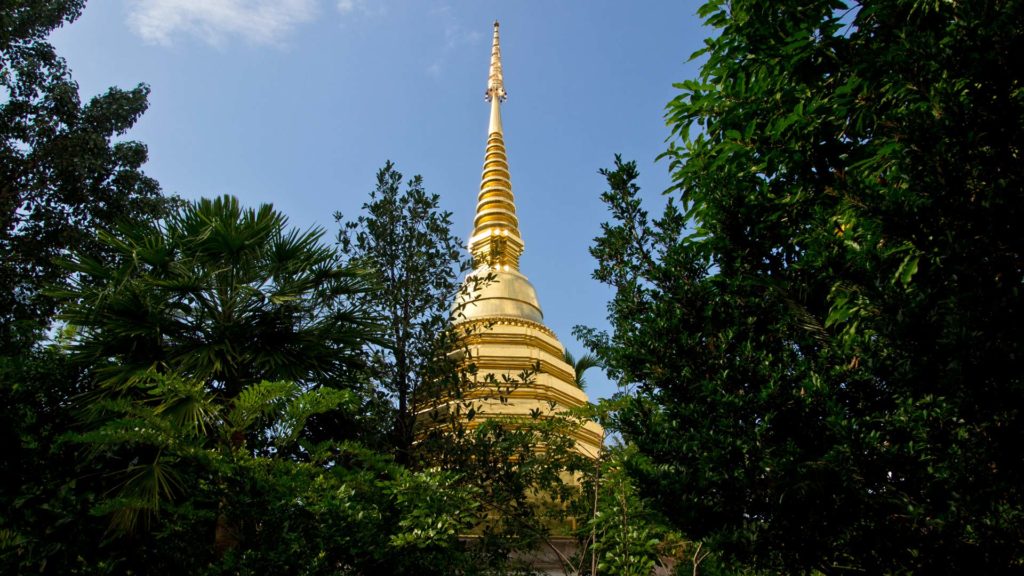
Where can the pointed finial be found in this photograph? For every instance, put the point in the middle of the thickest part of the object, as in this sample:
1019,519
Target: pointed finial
496,241
495,81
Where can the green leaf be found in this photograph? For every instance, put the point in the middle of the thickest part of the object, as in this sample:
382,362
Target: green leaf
907,269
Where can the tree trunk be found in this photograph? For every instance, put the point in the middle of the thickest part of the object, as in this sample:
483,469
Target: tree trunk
226,535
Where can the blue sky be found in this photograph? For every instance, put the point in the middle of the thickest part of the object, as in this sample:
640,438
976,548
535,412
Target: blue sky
299,103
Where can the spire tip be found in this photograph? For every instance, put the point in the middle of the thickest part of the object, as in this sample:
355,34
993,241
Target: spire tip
495,80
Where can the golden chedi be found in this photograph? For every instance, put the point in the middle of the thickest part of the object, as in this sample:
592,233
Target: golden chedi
502,319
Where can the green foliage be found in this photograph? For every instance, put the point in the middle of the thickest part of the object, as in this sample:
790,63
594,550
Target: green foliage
404,239
621,531
169,427
346,510
521,470
580,367
45,524
64,173
180,330
435,509
356,512
63,170
622,536
828,360
218,293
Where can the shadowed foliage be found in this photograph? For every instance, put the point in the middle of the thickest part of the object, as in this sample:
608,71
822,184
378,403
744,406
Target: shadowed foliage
64,169
221,294
828,357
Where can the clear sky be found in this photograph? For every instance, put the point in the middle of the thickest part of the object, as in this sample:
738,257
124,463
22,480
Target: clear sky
299,103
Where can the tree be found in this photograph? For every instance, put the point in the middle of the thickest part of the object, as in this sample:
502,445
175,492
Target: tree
580,367
345,509
173,422
623,536
828,361
221,294
357,513
63,173
406,241
46,526
620,532
182,329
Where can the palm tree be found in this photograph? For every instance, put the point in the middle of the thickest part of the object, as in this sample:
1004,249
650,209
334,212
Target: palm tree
586,362
221,294
177,424
208,334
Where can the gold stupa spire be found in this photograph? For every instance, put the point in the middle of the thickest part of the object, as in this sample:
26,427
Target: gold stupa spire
498,314
496,240
495,81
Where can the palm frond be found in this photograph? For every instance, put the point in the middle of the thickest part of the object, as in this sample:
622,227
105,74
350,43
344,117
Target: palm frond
317,401
186,403
140,494
258,400
586,362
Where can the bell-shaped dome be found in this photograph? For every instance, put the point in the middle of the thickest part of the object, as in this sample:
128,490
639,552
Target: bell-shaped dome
508,294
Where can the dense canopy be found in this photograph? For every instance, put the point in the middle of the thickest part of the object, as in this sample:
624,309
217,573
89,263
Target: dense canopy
828,356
